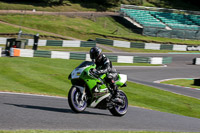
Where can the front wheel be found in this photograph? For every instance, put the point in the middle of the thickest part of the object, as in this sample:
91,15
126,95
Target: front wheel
120,110
76,101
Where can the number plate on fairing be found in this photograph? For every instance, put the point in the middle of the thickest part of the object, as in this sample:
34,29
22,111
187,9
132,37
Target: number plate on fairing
77,73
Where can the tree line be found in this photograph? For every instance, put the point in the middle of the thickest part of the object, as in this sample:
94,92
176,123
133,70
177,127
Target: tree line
60,2
106,3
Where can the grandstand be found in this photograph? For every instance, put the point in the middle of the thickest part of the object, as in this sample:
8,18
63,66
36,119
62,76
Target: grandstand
158,21
143,18
175,20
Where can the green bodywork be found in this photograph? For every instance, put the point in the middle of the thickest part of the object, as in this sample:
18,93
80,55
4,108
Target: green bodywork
90,81
86,80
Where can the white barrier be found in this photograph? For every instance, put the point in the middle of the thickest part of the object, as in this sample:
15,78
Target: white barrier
71,43
88,57
152,46
180,47
121,44
42,42
0,51
26,53
193,48
197,61
125,59
12,51
30,42
3,40
67,55
156,60
60,55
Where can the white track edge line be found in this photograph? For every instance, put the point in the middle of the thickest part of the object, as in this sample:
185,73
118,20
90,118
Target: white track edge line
158,81
142,66
26,94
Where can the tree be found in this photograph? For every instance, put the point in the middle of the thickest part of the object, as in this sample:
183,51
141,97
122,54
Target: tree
52,2
108,2
60,2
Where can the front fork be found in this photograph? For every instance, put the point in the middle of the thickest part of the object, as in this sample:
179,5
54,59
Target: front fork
83,94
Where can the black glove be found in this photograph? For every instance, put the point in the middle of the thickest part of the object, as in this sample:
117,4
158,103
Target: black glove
96,72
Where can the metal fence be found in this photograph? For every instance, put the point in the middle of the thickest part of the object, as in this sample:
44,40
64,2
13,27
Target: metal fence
181,34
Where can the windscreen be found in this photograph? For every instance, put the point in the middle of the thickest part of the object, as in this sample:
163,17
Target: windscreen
85,63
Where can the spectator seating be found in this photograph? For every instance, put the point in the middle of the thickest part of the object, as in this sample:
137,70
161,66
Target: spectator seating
163,19
194,18
143,17
175,21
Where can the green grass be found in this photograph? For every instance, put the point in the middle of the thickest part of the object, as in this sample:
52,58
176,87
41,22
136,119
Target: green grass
155,99
182,82
36,75
2,45
49,77
84,29
59,48
47,131
8,29
11,29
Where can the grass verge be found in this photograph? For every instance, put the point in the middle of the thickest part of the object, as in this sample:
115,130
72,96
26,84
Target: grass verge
47,131
182,82
6,29
83,28
49,77
59,48
2,45
10,29
141,50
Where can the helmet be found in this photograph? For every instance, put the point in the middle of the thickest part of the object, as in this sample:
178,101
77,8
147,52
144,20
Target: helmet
95,53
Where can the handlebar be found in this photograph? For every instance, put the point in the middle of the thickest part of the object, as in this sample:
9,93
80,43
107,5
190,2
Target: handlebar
93,73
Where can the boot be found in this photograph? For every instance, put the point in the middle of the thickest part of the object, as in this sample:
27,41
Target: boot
114,89
115,95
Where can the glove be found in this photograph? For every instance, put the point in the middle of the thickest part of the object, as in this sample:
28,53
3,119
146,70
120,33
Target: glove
96,72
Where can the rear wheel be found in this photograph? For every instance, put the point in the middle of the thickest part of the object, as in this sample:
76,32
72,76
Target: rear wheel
76,102
120,110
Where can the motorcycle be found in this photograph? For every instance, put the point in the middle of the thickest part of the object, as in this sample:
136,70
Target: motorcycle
91,90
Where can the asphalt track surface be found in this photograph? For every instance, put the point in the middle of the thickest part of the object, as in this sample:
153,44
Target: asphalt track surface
181,67
37,112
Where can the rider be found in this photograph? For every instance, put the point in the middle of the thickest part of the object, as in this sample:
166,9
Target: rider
104,65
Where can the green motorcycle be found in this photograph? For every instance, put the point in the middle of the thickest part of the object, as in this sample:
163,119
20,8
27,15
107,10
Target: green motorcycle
91,90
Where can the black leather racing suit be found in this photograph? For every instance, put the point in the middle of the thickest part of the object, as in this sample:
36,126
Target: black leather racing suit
104,65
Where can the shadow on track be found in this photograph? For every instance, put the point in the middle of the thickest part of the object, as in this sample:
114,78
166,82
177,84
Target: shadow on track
60,110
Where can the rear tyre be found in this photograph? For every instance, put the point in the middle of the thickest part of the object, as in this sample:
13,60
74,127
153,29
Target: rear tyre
120,110
76,103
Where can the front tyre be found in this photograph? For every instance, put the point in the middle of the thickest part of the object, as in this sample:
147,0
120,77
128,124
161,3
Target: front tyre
75,100
120,110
